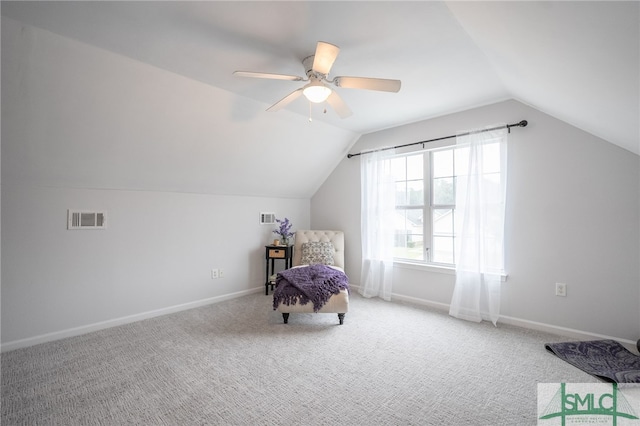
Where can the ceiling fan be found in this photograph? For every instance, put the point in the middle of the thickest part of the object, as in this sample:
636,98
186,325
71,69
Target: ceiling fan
318,88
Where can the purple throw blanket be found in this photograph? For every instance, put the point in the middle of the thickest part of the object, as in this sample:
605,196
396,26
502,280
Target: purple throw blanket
314,283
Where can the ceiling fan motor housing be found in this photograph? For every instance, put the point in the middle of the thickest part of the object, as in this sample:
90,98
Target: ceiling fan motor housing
308,69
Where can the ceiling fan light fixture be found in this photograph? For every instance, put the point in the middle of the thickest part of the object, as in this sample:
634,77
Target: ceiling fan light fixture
316,92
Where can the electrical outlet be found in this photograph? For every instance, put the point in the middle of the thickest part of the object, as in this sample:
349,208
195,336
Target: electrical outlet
215,274
561,289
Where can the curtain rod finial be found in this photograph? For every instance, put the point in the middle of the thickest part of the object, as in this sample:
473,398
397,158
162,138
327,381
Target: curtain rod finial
523,123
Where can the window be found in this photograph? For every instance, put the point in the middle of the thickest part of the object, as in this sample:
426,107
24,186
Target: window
408,172
426,184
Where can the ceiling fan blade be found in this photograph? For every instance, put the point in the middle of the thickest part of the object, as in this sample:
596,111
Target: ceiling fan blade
380,84
325,56
286,100
338,105
267,75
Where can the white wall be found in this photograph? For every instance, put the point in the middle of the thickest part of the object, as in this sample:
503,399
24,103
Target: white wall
155,255
572,216
83,128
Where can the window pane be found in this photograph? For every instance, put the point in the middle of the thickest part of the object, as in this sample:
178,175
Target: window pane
442,250
443,163
409,241
442,223
443,191
414,218
400,226
408,173
415,193
398,168
415,167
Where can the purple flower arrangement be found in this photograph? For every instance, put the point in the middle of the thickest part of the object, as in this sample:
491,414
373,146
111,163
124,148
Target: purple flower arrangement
284,230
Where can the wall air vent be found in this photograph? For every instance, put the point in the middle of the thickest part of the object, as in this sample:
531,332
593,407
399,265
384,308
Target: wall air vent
267,218
77,219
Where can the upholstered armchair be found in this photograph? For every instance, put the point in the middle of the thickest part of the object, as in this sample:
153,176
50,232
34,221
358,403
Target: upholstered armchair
338,303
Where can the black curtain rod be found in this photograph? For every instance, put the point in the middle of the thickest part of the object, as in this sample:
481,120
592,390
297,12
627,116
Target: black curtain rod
523,123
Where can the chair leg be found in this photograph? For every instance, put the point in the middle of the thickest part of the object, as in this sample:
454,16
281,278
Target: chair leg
285,317
341,318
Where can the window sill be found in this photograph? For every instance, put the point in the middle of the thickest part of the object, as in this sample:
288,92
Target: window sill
427,267
440,269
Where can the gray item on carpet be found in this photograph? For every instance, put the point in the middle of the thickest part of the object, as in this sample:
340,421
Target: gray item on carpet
605,359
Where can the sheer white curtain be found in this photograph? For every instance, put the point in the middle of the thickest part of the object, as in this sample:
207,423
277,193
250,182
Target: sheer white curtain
377,224
480,211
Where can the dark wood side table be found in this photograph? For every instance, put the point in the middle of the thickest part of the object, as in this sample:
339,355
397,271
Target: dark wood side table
274,253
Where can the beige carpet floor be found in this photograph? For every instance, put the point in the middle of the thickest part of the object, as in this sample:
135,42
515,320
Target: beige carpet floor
236,363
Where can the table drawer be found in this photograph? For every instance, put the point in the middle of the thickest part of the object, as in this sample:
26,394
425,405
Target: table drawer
277,253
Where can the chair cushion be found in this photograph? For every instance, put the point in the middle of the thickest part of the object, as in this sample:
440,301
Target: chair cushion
317,253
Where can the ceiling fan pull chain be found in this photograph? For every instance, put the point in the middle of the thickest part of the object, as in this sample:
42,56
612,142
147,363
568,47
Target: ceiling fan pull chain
310,119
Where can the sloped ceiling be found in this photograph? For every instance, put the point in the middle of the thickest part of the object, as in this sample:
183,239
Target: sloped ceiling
578,61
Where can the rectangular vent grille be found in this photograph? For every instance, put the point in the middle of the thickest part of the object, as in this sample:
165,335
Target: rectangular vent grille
267,218
86,220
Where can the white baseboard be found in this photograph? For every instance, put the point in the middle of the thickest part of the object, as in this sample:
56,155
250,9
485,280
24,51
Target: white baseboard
532,325
431,304
77,331
566,332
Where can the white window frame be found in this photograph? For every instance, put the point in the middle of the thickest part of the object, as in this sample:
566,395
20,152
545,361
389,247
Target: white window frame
427,208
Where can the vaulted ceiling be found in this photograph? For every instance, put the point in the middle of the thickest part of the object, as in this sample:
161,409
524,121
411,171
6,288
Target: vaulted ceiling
578,61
